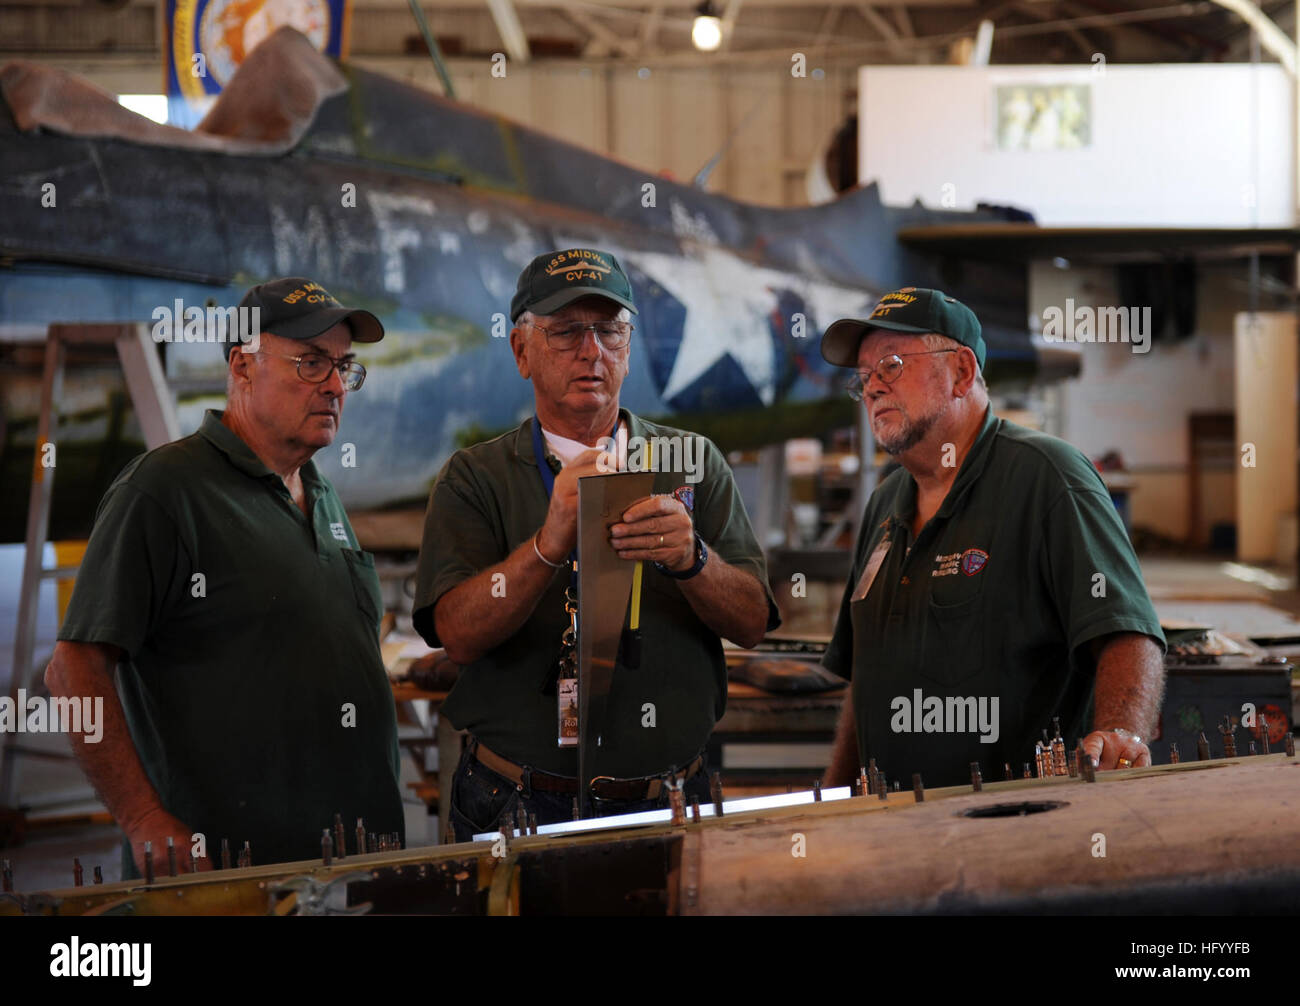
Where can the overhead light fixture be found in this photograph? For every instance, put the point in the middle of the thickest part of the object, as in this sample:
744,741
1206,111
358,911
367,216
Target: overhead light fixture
706,32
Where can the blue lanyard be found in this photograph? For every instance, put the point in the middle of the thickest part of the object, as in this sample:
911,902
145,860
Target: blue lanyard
539,452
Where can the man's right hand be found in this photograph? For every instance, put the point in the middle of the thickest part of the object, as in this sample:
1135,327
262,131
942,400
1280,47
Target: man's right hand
111,762
154,827
844,763
474,617
559,535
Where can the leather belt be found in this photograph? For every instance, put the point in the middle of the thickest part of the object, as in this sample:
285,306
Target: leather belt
602,787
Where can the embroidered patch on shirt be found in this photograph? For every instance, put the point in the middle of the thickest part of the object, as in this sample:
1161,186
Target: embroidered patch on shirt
973,560
686,496
338,531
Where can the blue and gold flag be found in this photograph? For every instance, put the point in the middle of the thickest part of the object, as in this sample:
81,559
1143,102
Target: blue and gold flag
206,40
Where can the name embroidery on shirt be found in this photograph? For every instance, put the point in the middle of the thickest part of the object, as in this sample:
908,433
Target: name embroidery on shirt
946,565
339,531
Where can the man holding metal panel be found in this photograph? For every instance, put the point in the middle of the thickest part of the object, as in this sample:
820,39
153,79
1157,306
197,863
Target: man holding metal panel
496,572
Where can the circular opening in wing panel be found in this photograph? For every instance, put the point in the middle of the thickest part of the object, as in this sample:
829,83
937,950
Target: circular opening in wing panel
1021,809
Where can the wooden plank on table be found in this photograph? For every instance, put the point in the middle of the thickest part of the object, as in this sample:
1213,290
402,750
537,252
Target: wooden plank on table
1162,826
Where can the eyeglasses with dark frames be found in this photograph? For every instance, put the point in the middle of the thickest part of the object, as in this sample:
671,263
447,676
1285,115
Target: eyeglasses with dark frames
314,368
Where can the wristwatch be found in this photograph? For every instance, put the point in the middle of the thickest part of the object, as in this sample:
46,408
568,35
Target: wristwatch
701,557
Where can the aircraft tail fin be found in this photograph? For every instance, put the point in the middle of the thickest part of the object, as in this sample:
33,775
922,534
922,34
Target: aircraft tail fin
266,108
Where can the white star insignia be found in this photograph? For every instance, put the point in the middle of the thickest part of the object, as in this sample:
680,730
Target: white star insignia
729,304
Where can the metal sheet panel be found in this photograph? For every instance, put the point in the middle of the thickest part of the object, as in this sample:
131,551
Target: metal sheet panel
604,586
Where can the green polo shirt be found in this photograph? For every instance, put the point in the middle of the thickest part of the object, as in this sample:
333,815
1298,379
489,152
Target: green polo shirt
974,635
487,501
251,678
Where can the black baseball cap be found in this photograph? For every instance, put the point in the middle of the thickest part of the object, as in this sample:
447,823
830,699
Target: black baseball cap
913,310
293,307
558,278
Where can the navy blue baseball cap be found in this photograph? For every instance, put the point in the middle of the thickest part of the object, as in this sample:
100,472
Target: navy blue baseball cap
558,278
296,308
912,310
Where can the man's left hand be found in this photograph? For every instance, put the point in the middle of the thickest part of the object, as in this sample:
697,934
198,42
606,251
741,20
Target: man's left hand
1113,749
656,529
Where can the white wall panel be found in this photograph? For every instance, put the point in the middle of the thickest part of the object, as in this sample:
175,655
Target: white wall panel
1171,144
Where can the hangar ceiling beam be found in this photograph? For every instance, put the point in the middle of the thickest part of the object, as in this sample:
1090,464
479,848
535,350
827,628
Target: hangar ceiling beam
512,32
827,30
603,40
729,17
903,21
886,30
1271,37
1080,39
650,28
1178,35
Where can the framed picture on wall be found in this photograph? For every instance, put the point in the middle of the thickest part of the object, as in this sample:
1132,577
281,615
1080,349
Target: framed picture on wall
1043,116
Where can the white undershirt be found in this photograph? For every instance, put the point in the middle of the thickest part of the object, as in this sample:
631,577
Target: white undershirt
566,450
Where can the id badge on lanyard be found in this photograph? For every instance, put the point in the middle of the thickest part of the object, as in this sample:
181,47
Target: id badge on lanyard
566,690
872,568
567,709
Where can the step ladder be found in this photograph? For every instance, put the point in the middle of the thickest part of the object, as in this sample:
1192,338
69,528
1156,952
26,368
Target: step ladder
156,412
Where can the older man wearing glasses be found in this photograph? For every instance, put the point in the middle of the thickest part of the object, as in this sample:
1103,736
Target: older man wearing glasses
224,585
993,588
495,565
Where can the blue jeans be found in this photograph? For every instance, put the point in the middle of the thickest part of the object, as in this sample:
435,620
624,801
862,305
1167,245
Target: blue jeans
480,797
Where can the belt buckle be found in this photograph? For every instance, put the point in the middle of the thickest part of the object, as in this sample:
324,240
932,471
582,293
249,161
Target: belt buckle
591,789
